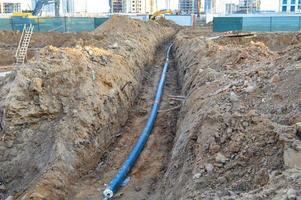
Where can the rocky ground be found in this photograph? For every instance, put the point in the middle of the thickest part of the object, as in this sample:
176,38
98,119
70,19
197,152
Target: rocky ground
229,125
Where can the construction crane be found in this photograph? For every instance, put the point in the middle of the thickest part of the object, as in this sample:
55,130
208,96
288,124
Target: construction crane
38,9
41,3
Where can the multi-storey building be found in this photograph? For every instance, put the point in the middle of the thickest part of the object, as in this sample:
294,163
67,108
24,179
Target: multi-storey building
136,6
290,6
189,6
117,6
140,6
225,6
10,6
230,8
215,6
249,6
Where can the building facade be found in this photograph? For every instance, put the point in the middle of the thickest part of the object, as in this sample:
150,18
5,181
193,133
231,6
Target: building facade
290,6
189,6
10,6
249,6
230,8
117,6
140,6
136,6
219,6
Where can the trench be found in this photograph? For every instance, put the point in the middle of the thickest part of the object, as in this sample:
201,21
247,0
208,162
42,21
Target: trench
143,180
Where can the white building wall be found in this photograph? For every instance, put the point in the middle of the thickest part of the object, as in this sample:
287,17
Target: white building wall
141,6
220,6
289,4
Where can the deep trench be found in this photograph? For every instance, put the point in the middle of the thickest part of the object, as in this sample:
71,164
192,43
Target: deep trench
144,179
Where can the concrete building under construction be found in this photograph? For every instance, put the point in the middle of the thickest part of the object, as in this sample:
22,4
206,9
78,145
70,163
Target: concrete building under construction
290,6
249,6
117,6
189,6
10,6
138,6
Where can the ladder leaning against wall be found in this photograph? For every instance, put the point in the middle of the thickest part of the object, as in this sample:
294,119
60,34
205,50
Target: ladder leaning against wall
24,43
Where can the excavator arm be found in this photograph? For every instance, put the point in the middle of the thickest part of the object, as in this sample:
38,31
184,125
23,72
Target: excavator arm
160,13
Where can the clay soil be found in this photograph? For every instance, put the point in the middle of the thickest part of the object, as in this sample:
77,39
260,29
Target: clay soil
144,178
237,132
64,108
228,127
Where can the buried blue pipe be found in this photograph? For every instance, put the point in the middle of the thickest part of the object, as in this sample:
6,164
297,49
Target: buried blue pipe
133,156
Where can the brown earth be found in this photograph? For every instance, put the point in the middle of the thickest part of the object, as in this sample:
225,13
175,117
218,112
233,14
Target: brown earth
236,133
150,167
71,114
60,111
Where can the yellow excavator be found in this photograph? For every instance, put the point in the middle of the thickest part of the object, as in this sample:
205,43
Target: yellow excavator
160,13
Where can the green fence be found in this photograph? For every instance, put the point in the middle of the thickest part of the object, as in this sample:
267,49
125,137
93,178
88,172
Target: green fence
257,23
49,24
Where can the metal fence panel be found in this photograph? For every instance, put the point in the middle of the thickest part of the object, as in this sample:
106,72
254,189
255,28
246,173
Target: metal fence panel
5,24
18,23
56,24
222,24
99,20
79,24
257,24
272,23
49,24
183,20
286,24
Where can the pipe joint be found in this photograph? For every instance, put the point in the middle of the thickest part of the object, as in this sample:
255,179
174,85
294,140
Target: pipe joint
108,193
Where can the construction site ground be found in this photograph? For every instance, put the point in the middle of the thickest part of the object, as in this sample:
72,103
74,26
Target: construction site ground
228,127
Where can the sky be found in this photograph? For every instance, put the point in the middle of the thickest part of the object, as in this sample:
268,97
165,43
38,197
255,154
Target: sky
103,5
270,5
265,4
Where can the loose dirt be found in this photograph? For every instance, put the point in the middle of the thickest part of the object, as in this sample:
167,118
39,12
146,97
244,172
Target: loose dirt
151,165
61,110
236,135
71,114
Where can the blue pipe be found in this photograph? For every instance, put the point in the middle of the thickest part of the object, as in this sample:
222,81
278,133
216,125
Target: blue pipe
133,156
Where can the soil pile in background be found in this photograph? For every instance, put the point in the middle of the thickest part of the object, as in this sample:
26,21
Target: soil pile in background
120,27
60,110
236,135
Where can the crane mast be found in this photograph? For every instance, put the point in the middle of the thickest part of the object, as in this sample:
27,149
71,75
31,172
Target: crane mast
41,3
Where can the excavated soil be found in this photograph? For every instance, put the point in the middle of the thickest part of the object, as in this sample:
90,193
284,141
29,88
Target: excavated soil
63,109
150,167
237,132
229,125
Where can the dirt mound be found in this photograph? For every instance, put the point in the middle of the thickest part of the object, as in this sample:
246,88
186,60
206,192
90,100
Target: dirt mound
274,41
63,108
237,128
164,22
